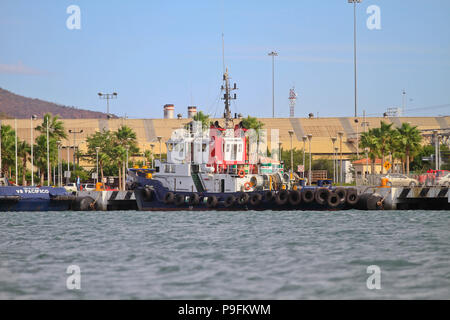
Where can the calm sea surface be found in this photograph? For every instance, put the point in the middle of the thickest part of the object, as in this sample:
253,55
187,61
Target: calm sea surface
225,255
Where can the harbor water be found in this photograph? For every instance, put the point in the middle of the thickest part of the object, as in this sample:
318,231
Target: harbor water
225,255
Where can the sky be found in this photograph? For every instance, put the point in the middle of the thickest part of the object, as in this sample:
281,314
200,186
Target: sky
158,52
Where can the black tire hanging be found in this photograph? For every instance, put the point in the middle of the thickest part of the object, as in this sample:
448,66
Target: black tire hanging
212,202
295,198
180,199
255,199
321,196
243,198
352,197
194,199
269,196
308,195
333,200
169,197
282,197
342,193
229,201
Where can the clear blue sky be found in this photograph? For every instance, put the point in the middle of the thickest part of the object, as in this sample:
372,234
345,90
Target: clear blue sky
158,52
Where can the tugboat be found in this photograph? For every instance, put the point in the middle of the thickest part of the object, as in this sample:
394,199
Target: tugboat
212,170
17,198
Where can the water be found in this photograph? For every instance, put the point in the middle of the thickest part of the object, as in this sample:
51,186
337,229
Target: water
225,255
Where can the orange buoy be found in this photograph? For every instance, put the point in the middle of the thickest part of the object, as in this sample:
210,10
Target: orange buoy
241,173
247,186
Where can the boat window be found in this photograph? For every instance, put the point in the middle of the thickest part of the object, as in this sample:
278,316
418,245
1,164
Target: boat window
170,146
203,147
228,147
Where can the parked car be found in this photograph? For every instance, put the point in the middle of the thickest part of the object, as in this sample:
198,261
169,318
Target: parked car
401,180
88,187
444,181
71,187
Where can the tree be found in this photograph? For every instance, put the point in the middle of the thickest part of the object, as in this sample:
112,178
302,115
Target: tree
103,140
8,148
125,138
409,140
370,141
55,127
385,141
23,150
203,118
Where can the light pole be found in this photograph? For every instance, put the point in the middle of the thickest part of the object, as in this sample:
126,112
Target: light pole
15,143
96,151
305,138
59,163
273,54
291,133
33,117
336,150
68,165
48,154
1,166
333,140
74,145
160,148
152,146
341,177
354,49
357,138
107,96
310,157
279,150
436,143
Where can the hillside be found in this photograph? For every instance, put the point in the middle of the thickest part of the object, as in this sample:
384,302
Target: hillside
20,107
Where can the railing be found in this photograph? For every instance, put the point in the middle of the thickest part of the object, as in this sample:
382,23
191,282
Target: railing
404,180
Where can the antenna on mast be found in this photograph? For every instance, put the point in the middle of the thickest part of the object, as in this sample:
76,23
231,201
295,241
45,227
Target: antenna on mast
227,97
223,52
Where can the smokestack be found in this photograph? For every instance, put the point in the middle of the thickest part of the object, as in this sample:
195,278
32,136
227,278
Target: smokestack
169,111
192,111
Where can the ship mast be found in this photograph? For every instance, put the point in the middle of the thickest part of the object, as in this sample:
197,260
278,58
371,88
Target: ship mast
227,97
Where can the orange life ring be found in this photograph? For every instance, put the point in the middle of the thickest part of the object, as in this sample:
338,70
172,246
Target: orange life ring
241,173
247,186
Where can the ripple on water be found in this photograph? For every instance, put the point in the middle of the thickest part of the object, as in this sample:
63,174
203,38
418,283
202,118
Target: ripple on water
225,255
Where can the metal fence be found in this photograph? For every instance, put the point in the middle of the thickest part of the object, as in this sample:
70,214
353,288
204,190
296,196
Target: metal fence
431,179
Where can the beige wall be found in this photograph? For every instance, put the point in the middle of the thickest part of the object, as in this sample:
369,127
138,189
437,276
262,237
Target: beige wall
322,130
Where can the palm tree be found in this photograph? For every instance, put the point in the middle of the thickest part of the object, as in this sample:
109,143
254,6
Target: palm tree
409,140
125,138
384,135
204,119
370,141
252,123
8,148
23,150
56,128
103,140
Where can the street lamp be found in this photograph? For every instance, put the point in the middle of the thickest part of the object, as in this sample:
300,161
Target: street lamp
357,138
33,117
354,49
341,177
279,150
1,167
273,54
310,157
59,163
336,150
152,146
74,145
305,138
333,140
15,138
48,153
160,148
107,96
96,150
291,133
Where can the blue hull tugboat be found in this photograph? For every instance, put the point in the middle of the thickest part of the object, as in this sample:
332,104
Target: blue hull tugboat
220,169
16,198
